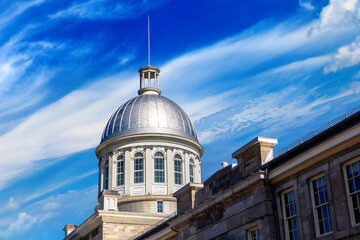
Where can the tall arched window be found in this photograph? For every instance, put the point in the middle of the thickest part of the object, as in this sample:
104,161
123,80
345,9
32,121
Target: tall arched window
120,170
177,169
138,168
106,175
159,168
191,171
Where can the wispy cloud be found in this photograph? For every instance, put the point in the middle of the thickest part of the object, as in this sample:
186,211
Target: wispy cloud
23,223
106,9
289,107
45,209
74,122
306,4
12,204
15,10
346,56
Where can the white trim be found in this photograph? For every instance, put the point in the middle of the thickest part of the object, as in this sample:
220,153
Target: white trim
314,208
286,225
350,205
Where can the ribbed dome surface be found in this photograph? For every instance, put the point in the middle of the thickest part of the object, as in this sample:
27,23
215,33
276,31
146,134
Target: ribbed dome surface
146,114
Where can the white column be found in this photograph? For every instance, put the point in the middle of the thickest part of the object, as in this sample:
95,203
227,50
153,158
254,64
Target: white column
149,79
199,171
128,173
111,171
186,173
149,169
170,171
100,175
142,80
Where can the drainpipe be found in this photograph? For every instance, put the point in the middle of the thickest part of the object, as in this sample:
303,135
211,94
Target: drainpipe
274,206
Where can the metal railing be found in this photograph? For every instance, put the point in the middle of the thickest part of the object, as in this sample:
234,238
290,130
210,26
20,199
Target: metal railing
316,132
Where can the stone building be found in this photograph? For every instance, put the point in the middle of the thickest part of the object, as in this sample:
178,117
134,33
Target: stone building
148,150
150,180
310,190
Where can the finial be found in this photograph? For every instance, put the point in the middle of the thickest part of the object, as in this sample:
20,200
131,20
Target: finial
149,75
148,40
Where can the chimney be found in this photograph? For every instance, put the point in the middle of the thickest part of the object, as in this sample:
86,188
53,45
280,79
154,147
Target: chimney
254,154
69,228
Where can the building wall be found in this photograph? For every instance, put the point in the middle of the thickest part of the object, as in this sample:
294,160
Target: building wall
116,231
332,168
149,186
149,206
232,218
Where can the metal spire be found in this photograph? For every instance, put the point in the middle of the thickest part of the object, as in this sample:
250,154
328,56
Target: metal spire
148,40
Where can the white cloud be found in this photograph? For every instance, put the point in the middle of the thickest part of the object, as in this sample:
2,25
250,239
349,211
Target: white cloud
36,214
74,123
106,9
346,56
23,223
339,15
306,4
269,110
16,10
12,204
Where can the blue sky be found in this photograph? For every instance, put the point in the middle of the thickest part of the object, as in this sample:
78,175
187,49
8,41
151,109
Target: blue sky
240,69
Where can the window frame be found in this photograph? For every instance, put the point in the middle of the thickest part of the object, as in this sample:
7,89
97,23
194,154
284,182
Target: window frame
106,175
159,171
349,198
251,230
137,158
160,207
176,172
120,175
285,217
314,207
191,171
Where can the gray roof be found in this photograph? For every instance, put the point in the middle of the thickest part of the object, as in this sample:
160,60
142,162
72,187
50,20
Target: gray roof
146,114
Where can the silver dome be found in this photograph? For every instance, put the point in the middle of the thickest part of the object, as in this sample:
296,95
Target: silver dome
147,114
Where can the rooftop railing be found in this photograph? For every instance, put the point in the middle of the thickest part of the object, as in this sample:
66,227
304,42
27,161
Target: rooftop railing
316,132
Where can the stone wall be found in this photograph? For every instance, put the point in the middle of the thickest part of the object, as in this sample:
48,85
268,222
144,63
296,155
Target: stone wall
149,206
332,167
231,218
116,231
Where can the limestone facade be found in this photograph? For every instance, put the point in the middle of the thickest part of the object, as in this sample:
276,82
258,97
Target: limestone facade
310,192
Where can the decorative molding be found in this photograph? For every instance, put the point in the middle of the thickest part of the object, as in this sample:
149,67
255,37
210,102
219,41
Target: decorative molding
140,190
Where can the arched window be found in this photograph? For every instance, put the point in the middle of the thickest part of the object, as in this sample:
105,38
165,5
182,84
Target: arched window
177,169
106,175
159,168
120,170
138,168
191,171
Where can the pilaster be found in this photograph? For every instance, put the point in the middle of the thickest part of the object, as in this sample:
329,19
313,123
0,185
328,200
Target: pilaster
186,169
128,173
170,170
111,170
149,166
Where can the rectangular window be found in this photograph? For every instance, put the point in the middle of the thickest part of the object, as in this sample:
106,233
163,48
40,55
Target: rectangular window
138,170
191,172
160,207
106,176
290,213
120,173
178,171
321,209
253,233
159,168
352,175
